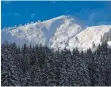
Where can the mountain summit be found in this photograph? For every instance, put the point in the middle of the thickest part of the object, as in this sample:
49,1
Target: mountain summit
59,33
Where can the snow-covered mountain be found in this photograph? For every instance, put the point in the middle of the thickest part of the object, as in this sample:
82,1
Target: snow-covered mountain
59,33
91,37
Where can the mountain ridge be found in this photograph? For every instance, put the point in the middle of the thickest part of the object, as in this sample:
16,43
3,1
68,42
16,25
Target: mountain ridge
59,33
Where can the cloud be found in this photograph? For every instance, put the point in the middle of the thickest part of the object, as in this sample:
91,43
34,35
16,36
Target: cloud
7,2
11,14
53,2
94,17
32,15
16,14
98,17
67,11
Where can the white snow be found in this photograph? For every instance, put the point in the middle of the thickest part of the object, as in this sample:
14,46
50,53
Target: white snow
58,33
109,43
88,37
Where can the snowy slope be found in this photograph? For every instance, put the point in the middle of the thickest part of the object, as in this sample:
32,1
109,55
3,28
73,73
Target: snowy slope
59,33
89,38
40,32
63,34
24,34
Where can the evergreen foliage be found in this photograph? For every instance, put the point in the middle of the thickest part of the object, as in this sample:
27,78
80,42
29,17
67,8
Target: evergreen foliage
41,66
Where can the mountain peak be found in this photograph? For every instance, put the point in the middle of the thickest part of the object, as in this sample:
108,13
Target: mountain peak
42,32
62,17
65,17
68,18
61,32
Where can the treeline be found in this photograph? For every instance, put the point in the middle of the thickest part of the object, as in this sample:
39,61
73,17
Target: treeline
41,66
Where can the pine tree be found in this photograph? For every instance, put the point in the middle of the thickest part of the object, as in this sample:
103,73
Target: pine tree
41,66
8,75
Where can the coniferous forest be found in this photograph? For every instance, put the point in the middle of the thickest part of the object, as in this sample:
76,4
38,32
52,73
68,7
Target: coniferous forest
41,66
